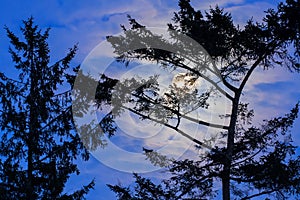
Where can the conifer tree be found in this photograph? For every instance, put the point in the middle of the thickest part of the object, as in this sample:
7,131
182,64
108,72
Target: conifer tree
256,160
38,141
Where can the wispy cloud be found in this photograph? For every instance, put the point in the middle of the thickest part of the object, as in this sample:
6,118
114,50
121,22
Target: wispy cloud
271,92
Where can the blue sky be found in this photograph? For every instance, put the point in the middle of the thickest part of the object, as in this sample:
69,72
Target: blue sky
272,92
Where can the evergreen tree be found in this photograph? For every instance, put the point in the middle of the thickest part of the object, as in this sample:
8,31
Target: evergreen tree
256,160
38,144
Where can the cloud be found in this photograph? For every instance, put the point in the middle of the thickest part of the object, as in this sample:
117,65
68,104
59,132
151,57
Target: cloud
107,17
241,10
221,3
242,13
271,93
90,24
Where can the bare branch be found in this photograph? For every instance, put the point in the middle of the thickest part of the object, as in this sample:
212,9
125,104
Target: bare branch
271,45
252,156
201,122
205,78
169,126
259,194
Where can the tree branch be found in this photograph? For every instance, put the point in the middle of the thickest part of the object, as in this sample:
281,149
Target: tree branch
259,194
205,78
271,45
201,122
171,127
225,82
183,66
248,157
5,78
56,118
256,63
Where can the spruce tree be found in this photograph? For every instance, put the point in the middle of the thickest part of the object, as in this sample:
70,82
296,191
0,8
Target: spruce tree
38,141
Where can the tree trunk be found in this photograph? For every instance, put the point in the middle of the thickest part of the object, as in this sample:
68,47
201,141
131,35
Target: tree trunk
29,190
32,124
226,184
230,146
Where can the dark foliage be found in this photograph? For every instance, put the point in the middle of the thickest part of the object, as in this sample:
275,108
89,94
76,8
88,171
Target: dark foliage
38,142
255,160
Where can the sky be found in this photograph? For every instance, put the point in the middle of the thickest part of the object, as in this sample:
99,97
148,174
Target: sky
271,93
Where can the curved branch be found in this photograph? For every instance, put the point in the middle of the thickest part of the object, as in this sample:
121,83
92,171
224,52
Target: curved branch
205,78
271,45
257,62
201,122
206,123
183,66
252,156
5,78
259,194
225,82
228,85
171,127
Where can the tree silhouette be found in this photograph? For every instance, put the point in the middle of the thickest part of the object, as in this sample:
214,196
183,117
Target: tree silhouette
255,160
38,140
